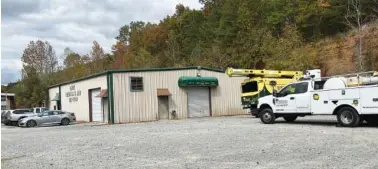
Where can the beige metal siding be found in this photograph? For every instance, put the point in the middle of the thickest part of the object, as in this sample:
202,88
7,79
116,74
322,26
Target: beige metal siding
143,106
226,98
52,93
81,106
105,109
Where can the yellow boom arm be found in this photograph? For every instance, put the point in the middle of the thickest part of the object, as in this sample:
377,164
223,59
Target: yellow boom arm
231,72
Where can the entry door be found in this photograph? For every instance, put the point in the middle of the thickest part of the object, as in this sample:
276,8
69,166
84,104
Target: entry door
198,102
46,117
105,108
55,117
96,106
294,99
302,98
285,102
163,107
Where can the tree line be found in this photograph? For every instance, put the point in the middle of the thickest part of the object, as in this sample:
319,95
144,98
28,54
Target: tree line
270,34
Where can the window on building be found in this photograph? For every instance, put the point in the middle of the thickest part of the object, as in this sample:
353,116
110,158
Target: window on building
136,84
3,98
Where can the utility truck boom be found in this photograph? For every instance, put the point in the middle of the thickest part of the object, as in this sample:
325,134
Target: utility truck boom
260,83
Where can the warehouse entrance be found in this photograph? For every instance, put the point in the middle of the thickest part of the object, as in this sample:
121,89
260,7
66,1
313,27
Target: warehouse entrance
163,103
95,110
103,95
198,102
163,107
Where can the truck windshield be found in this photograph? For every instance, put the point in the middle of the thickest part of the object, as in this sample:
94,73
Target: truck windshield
250,87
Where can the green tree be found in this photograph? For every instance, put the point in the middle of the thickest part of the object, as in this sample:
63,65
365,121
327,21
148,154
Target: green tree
72,59
124,34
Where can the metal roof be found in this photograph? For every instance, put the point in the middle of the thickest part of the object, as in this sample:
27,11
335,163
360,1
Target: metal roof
137,70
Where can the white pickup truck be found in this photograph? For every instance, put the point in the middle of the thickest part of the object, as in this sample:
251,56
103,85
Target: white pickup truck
352,98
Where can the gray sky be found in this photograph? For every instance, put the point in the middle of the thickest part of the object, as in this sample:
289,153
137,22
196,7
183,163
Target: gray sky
71,23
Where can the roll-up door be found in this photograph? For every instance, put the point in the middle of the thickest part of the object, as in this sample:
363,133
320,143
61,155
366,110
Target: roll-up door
96,106
198,102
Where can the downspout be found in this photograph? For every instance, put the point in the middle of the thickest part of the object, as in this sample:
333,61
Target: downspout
60,99
109,79
112,97
108,88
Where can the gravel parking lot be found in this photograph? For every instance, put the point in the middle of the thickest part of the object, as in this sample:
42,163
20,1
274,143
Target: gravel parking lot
215,142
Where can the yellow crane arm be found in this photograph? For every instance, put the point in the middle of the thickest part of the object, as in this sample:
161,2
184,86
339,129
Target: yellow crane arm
231,72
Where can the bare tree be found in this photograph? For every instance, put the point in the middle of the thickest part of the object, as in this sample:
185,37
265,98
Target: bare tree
355,20
40,56
97,51
97,55
356,17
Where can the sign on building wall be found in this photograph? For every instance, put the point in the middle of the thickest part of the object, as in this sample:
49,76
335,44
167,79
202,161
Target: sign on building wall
73,94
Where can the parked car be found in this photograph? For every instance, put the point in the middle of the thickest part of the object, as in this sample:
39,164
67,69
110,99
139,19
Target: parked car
13,116
49,117
3,115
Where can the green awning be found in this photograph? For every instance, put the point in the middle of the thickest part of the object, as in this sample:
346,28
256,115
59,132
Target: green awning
186,81
56,98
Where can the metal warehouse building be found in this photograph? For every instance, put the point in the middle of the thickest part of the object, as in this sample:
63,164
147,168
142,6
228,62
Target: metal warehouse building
125,96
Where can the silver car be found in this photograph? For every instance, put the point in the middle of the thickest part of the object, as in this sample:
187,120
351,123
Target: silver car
49,117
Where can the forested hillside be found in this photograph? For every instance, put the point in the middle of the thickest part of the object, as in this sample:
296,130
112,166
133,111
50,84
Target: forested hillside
337,36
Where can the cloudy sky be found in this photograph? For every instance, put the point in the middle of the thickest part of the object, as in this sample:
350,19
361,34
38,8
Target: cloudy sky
70,23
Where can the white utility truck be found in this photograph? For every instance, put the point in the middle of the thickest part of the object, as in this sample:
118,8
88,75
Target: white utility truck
353,98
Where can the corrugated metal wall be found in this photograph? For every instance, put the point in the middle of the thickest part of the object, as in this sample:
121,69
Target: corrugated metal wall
226,98
143,106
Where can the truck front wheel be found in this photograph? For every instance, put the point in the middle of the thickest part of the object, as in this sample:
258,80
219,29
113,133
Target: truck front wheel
267,116
348,117
290,118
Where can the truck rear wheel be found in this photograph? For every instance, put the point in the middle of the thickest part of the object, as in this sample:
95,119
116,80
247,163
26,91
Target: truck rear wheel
290,118
267,116
348,117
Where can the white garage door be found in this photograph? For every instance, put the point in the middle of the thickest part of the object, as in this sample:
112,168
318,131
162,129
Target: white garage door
96,106
198,102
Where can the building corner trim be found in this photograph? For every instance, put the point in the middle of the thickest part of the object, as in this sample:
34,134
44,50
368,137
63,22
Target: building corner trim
109,93
111,97
60,99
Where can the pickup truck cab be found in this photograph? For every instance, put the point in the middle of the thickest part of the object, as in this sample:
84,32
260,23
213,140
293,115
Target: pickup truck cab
351,104
38,110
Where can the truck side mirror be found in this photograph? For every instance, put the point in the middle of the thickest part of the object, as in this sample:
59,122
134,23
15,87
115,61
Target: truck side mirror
274,93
